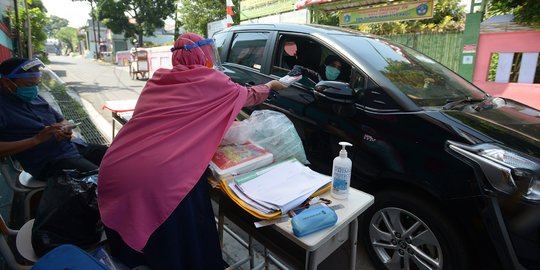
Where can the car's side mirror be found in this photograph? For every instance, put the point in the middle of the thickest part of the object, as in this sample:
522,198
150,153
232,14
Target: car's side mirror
335,91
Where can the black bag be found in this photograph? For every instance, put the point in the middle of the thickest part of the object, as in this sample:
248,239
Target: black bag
67,213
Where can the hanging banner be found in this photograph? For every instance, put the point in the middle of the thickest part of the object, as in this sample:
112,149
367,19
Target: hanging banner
399,12
258,8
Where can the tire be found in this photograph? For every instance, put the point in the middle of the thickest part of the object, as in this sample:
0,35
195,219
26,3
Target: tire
401,231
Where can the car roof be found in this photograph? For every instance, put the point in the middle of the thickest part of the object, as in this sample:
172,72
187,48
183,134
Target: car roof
300,28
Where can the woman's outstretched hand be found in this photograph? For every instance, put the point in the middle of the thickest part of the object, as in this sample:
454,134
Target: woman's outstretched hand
276,85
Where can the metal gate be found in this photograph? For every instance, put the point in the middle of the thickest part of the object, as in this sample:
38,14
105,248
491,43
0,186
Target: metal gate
443,47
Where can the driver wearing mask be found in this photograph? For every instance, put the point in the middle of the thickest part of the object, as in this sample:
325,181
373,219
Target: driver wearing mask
331,68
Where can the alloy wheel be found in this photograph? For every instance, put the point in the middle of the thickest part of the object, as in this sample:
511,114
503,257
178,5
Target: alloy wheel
403,241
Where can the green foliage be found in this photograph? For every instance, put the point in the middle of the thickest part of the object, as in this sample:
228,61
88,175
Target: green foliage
55,24
38,21
135,18
525,11
36,4
68,36
493,67
448,15
320,16
196,14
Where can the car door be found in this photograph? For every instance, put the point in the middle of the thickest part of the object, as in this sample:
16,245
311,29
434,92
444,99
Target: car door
245,59
313,118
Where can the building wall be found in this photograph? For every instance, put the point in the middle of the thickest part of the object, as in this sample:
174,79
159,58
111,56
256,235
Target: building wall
6,42
507,42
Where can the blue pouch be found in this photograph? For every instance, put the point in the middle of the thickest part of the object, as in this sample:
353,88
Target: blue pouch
312,219
68,257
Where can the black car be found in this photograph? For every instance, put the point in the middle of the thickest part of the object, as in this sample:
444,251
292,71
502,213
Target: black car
455,172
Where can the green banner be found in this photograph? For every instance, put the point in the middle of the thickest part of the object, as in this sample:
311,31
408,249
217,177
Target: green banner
258,8
398,12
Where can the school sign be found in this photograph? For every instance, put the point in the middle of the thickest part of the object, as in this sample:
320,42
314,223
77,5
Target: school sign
259,8
396,12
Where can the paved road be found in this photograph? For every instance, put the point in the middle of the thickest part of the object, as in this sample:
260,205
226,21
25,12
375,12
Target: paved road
96,82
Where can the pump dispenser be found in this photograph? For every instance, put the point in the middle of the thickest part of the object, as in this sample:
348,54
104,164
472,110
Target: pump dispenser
341,173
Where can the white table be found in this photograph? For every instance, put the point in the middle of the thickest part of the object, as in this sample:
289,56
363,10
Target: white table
121,110
316,246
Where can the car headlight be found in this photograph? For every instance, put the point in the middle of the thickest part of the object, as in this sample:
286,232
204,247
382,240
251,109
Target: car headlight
506,170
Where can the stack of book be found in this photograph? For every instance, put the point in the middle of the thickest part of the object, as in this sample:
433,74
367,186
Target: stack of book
235,159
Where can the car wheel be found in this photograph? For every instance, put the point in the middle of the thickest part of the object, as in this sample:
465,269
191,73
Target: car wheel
403,232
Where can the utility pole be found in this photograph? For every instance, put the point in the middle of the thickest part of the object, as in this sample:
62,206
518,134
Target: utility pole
29,30
98,31
17,45
94,27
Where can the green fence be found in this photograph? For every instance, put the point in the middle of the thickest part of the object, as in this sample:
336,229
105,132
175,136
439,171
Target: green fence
445,47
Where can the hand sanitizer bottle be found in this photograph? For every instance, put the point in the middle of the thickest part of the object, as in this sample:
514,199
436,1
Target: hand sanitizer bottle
341,173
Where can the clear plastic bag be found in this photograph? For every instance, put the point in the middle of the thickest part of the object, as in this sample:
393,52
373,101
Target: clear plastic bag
276,133
238,133
272,131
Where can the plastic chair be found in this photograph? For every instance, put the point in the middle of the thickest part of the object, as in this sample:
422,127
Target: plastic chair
21,182
23,245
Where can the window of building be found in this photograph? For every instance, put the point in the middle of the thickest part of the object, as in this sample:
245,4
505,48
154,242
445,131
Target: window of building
514,67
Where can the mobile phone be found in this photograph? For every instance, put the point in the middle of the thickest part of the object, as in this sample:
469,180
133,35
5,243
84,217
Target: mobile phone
74,125
71,125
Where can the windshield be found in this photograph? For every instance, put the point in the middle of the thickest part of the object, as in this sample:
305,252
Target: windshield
425,81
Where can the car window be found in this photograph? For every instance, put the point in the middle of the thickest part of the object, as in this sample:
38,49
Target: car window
247,49
424,81
219,41
294,50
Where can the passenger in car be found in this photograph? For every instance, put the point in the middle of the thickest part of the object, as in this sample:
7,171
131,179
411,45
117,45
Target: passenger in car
153,193
290,54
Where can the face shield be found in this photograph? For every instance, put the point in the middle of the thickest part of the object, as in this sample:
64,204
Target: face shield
216,63
21,72
31,69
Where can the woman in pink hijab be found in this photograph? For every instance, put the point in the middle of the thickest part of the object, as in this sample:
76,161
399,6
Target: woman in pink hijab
153,196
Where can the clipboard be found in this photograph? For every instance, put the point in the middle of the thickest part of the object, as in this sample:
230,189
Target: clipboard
222,184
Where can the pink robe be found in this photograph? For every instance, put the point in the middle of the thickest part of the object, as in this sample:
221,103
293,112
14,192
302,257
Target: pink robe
159,155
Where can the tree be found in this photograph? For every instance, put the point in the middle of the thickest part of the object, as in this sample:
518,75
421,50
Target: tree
55,24
196,14
38,21
133,17
525,11
36,4
68,36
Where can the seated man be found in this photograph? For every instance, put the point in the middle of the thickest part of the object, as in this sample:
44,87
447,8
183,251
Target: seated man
33,132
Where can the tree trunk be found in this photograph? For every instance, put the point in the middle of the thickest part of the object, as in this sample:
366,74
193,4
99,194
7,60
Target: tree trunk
140,40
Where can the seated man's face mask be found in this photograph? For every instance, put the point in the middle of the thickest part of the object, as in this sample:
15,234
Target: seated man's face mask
28,72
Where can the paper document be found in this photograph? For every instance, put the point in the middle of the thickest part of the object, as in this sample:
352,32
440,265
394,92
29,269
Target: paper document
286,185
